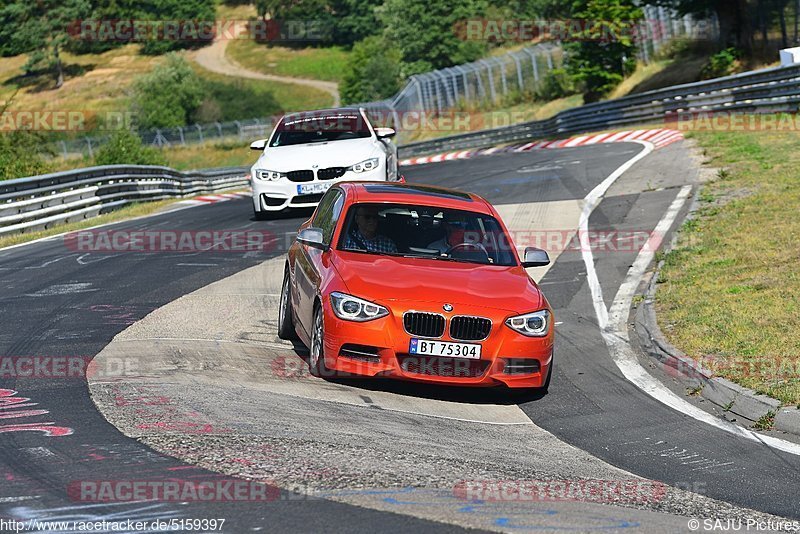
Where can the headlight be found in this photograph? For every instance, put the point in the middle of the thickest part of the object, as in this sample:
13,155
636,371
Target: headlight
352,308
262,174
366,165
531,324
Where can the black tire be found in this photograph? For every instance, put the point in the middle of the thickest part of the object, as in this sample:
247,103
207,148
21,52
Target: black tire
262,215
285,322
316,358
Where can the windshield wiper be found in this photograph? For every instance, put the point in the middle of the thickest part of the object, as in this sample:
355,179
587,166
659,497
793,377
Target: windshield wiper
445,258
377,253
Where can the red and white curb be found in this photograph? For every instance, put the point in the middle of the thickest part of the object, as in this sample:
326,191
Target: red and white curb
660,137
212,199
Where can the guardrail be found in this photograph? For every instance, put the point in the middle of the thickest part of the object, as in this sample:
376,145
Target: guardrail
768,90
39,202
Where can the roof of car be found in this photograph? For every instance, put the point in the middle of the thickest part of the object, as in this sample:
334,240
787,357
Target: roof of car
422,194
335,112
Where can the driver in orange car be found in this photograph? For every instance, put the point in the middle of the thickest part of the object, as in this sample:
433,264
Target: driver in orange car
455,234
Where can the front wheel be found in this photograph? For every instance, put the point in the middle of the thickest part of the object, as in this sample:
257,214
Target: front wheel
262,215
285,323
316,357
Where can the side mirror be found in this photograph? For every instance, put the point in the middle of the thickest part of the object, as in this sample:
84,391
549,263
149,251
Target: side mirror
258,145
312,237
385,133
535,257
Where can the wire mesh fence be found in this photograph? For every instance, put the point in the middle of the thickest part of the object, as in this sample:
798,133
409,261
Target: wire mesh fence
662,26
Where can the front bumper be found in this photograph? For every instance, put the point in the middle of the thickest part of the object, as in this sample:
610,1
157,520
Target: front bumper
504,352
281,194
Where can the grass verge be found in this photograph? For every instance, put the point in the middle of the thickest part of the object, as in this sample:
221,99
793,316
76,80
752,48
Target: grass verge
317,63
729,294
278,96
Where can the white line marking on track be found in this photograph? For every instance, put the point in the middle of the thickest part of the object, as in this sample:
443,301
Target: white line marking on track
614,330
590,203
45,264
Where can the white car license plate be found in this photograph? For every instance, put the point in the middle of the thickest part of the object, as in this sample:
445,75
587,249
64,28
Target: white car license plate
306,189
425,347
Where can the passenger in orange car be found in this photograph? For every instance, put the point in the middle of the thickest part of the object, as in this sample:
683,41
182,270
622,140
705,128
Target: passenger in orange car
365,236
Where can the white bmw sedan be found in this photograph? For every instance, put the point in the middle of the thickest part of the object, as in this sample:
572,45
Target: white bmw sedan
309,151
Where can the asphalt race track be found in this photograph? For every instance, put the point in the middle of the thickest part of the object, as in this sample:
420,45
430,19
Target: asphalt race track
167,309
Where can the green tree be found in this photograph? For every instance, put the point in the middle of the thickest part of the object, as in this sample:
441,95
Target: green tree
373,71
603,51
40,29
426,33
168,96
355,20
174,10
126,148
301,21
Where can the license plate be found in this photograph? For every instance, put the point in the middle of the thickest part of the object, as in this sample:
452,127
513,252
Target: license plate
426,347
310,189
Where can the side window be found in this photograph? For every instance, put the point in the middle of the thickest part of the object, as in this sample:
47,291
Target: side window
328,211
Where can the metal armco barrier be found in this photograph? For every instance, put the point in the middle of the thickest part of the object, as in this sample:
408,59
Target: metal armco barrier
39,202
769,90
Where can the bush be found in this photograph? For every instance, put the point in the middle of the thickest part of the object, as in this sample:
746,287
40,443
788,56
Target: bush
126,148
554,85
20,155
372,73
168,96
720,64
234,100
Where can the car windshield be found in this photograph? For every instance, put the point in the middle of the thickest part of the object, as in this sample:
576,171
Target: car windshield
426,232
313,128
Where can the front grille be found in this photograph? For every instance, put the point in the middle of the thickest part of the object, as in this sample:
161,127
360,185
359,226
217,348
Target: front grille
300,176
307,199
331,173
437,366
465,328
423,324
